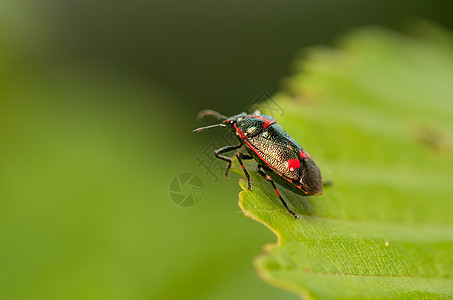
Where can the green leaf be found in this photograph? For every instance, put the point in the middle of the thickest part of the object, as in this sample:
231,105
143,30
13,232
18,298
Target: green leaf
376,114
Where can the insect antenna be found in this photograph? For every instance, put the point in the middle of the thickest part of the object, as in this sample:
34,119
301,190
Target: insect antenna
209,127
209,112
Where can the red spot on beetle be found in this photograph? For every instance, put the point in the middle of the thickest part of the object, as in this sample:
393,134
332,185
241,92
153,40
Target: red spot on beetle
266,122
303,154
293,164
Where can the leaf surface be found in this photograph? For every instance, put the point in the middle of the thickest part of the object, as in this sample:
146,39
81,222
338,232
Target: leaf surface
376,114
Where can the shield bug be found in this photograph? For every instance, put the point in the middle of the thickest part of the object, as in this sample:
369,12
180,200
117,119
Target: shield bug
280,158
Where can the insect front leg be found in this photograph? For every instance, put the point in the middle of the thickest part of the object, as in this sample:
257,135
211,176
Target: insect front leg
240,156
268,178
226,158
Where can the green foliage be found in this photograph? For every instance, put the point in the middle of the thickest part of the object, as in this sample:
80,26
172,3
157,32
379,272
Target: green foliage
376,114
86,162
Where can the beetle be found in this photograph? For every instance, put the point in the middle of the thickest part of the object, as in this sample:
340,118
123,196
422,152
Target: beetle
280,158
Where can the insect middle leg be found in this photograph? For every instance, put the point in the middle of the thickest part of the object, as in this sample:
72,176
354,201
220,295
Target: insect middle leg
240,156
226,158
268,178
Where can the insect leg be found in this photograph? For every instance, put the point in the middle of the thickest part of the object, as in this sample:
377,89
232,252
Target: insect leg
268,178
241,156
226,158
327,183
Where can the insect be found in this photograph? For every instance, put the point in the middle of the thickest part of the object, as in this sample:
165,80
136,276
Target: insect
280,158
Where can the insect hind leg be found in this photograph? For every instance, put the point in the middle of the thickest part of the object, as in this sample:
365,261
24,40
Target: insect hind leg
268,178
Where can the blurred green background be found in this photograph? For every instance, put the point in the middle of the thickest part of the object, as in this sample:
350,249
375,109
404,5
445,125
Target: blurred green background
97,103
